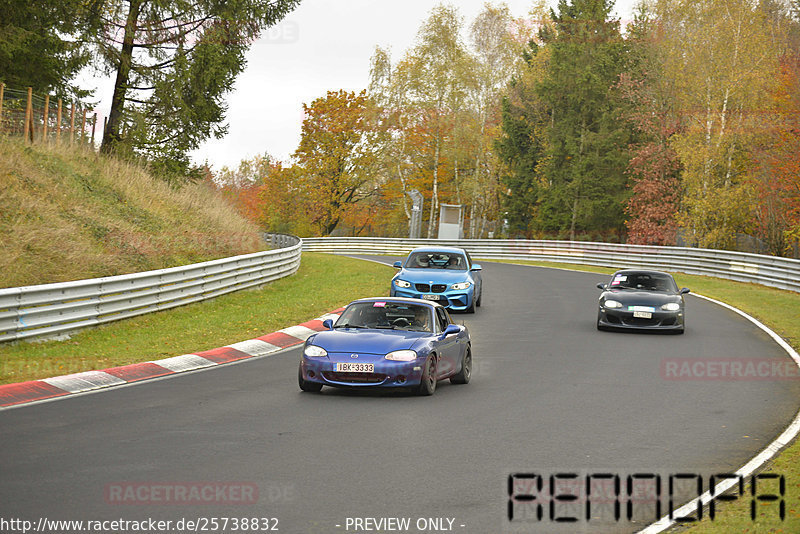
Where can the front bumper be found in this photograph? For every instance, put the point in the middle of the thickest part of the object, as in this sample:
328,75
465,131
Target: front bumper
624,319
455,300
386,373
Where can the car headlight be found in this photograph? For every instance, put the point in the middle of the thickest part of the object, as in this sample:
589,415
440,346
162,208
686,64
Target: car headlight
460,286
612,304
402,356
671,306
402,283
313,351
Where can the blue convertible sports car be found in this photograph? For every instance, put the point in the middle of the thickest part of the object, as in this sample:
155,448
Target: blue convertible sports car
394,342
440,274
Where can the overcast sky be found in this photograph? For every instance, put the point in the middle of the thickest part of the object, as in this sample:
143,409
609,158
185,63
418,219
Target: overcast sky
322,45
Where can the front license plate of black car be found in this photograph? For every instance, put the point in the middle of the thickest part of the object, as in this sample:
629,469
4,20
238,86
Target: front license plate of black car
642,315
430,297
347,367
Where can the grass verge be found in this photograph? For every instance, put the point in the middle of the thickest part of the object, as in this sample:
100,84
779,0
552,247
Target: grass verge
67,213
780,311
323,283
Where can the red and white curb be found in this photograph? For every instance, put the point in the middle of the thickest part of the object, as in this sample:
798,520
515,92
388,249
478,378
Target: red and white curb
60,386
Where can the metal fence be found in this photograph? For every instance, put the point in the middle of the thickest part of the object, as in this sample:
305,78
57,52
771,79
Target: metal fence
55,309
771,271
42,118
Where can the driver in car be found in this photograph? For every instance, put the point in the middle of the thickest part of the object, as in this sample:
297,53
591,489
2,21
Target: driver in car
372,317
421,319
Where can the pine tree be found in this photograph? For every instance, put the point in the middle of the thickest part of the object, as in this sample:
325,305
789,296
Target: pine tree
521,147
174,63
42,43
586,154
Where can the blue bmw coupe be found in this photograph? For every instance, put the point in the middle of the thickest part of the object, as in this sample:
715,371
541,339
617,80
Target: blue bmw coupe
440,274
394,342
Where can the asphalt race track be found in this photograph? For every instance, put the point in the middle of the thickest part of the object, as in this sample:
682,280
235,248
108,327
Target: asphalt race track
550,394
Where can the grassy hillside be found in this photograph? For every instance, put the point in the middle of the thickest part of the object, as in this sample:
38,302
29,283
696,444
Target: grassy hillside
68,214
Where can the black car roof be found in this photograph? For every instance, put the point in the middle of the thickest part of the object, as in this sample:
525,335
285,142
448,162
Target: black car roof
641,271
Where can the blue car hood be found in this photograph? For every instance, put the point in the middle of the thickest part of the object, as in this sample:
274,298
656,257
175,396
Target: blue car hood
438,276
366,341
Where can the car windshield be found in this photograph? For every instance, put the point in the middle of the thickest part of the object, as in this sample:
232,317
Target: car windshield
386,315
643,282
437,260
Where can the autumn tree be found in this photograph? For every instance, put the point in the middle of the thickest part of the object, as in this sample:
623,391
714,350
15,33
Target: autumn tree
243,186
424,95
497,44
284,200
654,167
775,170
436,74
442,100
337,156
721,58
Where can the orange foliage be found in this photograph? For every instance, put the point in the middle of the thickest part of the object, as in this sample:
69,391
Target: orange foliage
778,184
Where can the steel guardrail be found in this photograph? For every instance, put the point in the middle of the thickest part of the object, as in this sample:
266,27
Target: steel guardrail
51,310
783,273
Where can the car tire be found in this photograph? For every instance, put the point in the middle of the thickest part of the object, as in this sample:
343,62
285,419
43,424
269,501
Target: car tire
480,297
471,308
427,383
305,385
463,376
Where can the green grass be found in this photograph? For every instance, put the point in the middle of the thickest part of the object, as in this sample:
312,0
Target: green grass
67,213
779,310
323,283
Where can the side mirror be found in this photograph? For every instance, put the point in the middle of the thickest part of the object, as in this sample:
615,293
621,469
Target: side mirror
684,291
328,323
451,329
398,265
475,267
601,286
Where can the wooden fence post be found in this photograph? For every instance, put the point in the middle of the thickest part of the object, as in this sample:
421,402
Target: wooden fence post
83,126
45,117
2,91
72,123
28,108
58,123
94,123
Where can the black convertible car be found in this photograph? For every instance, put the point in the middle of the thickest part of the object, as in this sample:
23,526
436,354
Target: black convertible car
648,300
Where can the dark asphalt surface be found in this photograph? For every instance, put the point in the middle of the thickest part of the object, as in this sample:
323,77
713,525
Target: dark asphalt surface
549,394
